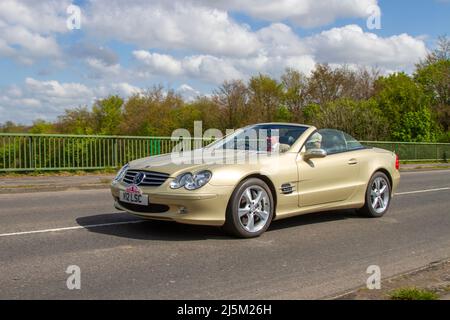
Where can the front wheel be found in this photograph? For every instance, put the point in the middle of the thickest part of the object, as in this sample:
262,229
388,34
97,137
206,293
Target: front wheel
250,210
378,196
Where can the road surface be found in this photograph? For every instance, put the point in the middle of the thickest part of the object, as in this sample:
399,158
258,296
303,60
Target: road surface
121,257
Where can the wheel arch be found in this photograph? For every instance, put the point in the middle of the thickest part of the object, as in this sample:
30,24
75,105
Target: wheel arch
269,183
386,172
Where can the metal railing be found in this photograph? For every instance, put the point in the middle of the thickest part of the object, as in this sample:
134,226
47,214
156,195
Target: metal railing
36,152
27,152
415,151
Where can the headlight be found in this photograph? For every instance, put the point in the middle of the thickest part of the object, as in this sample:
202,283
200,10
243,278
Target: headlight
190,181
180,181
121,172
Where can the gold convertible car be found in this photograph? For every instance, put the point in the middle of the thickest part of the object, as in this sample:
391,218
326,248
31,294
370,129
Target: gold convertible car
257,174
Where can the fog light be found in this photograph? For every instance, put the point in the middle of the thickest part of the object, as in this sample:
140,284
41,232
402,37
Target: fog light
182,210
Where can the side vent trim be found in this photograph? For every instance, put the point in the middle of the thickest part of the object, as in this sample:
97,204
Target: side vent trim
287,188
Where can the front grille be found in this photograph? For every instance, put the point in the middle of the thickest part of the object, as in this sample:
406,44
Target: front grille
152,178
150,208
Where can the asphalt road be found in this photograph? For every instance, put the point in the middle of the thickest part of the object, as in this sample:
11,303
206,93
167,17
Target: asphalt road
310,256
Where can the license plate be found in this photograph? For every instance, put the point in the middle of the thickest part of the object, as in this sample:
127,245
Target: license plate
135,198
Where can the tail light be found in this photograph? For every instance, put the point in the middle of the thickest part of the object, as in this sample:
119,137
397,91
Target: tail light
397,162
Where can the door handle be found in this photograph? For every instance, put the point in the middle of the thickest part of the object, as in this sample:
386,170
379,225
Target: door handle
352,161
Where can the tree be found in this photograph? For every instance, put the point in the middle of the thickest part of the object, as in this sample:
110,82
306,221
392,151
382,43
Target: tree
433,74
42,126
232,99
107,114
416,126
265,97
364,86
440,53
327,84
400,98
201,109
361,119
11,127
295,86
150,113
76,121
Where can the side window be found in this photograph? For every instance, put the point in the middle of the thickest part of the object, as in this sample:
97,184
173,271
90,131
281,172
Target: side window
352,143
333,141
314,141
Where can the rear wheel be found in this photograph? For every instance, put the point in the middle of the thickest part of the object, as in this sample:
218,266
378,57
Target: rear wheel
250,210
378,196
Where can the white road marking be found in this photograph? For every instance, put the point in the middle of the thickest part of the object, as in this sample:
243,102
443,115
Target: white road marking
422,191
139,221
70,228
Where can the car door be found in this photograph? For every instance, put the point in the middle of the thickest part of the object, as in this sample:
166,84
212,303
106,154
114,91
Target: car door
332,178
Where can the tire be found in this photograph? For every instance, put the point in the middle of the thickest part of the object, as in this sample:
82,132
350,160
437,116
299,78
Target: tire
377,199
244,217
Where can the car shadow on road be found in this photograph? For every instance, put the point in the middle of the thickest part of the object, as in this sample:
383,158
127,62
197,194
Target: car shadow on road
141,229
313,218
171,231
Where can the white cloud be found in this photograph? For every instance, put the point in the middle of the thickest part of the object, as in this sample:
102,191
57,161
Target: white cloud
187,92
159,63
27,29
305,13
37,16
122,89
84,50
55,90
351,45
170,25
205,67
100,69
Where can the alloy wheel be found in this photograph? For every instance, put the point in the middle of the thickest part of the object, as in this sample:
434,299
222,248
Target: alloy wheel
254,208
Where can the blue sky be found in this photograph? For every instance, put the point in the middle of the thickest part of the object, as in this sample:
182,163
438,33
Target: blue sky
192,46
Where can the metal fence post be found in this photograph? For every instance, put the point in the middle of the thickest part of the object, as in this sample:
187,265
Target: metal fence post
116,160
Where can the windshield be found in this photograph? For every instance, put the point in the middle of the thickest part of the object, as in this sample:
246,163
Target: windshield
261,137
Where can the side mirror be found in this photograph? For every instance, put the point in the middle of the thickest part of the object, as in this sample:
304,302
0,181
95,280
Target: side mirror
314,153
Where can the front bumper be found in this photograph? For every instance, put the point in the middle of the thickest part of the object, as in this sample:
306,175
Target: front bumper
206,206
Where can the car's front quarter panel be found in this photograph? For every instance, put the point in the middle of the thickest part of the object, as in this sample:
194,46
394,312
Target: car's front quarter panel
205,205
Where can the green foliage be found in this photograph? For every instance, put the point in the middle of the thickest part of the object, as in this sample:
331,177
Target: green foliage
42,126
265,96
416,126
435,81
107,114
283,114
406,107
76,121
413,294
361,119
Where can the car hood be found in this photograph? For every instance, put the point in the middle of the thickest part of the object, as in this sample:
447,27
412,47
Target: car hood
194,160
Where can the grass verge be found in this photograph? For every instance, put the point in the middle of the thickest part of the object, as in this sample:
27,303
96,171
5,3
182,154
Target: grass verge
413,294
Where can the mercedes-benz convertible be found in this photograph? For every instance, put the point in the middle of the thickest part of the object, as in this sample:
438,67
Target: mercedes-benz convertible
258,174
